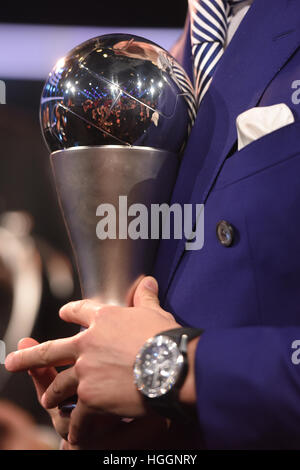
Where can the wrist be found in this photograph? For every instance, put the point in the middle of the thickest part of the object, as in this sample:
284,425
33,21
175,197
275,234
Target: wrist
187,393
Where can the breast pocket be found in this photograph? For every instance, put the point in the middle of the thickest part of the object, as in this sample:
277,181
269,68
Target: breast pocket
273,149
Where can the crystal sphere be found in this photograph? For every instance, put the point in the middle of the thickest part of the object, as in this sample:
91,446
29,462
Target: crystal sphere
117,89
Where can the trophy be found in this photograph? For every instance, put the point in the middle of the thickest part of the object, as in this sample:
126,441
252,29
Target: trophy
115,114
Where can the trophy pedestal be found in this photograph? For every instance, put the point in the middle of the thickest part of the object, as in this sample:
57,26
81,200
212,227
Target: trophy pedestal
89,177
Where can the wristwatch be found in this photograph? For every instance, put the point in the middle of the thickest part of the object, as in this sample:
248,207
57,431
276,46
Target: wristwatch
161,367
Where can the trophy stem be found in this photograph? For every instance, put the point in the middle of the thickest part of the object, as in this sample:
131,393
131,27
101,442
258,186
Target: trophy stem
99,189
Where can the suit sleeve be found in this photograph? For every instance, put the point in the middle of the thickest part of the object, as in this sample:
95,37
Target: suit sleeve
248,388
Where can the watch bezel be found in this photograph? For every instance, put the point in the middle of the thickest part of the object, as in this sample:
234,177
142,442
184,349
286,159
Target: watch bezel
171,380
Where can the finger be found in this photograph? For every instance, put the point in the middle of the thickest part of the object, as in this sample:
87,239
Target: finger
97,427
43,377
63,386
81,312
130,294
52,353
146,294
81,416
25,343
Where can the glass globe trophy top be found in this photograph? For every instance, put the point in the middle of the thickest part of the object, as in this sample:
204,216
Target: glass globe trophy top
117,89
115,113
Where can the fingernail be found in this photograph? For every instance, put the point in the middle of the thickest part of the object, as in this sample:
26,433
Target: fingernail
72,440
20,341
9,361
70,305
151,284
65,307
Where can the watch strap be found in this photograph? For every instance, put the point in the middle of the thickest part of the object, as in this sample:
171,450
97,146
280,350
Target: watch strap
169,406
176,333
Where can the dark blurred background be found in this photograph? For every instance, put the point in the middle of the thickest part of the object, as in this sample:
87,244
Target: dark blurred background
32,38
157,13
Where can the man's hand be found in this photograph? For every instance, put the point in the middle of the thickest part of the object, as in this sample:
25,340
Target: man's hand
103,356
101,431
42,378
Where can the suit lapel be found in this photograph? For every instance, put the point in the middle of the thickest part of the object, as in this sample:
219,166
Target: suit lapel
263,43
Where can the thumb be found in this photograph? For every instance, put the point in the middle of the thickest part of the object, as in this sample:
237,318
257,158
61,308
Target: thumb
146,294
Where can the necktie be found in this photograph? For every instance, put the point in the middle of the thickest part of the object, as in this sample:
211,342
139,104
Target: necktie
209,25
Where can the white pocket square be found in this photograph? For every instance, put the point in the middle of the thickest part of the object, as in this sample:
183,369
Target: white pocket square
257,122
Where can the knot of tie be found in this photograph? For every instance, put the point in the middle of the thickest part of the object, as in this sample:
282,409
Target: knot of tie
208,20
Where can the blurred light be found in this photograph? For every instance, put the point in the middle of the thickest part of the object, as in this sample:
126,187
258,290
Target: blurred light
60,275
114,87
59,64
18,223
30,51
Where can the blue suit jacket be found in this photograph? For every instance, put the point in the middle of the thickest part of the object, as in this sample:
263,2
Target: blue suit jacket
247,296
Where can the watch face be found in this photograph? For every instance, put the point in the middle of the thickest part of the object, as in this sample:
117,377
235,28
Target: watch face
158,366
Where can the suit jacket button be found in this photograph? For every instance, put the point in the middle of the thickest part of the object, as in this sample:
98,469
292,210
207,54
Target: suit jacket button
225,233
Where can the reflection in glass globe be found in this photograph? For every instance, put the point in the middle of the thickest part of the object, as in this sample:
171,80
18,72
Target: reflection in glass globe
117,89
